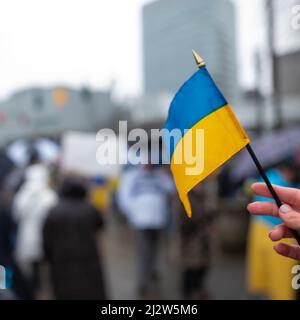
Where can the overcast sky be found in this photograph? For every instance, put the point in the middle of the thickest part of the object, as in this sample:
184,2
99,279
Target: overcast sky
87,42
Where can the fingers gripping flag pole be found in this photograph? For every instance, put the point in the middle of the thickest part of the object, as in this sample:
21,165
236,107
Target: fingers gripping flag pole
269,185
199,105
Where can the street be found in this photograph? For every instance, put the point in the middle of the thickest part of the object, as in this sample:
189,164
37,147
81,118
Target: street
226,279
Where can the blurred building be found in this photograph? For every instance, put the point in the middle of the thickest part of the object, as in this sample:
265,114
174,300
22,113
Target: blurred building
50,111
259,108
287,46
286,29
149,108
171,28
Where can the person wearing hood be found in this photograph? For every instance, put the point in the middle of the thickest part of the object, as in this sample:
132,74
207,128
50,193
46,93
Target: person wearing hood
71,244
30,208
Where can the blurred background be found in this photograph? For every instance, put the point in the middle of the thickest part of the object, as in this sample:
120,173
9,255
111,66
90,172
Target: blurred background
71,68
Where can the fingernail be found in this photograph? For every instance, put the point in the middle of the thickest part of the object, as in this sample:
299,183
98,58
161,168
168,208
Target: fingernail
285,208
270,233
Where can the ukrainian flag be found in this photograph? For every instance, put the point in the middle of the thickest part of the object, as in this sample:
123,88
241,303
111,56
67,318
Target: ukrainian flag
200,105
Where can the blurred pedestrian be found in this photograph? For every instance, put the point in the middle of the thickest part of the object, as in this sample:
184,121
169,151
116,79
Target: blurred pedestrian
16,284
70,244
269,275
144,197
31,205
195,236
7,234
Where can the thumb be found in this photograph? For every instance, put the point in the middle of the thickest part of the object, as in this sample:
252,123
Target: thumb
290,217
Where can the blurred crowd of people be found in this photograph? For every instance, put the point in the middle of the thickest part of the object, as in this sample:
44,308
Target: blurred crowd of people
50,222
46,220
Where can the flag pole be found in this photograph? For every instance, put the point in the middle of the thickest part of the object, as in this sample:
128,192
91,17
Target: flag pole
201,63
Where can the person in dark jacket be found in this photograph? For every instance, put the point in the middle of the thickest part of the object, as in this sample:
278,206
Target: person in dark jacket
15,280
70,245
17,286
195,235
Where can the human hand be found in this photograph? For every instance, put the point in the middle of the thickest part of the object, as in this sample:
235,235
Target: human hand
289,212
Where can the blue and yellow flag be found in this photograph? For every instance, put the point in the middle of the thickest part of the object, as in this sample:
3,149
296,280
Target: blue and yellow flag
210,133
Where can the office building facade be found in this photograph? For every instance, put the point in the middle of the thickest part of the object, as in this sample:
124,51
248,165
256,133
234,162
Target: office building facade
171,28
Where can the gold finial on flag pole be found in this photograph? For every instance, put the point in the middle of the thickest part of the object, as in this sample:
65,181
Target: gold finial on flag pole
199,61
